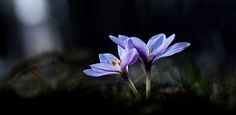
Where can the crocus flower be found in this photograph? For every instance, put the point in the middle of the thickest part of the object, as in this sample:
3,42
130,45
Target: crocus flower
109,64
156,48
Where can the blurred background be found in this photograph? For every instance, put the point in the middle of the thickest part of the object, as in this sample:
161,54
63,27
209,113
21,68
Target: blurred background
53,41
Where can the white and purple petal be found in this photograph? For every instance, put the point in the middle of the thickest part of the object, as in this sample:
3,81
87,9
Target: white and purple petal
140,46
121,51
128,44
119,41
107,58
104,67
176,48
93,73
163,46
123,37
129,58
155,41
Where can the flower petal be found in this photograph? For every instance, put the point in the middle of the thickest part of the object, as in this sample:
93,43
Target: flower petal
119,41
121,51
128,45
123,37
104,67
107,58
92,73
163,46
140,46
129,58
176,48
156,41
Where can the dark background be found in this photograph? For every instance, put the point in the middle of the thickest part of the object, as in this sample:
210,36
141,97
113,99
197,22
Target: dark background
87,23
84,26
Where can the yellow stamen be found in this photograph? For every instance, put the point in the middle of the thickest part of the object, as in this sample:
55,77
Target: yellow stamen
113,63
119,62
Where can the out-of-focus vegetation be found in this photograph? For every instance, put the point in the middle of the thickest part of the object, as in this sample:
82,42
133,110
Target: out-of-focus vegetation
177,84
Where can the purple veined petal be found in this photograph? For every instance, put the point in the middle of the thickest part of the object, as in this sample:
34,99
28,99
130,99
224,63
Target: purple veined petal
123,37
155,42
121,51
107,58
163,46
104,67
118,41
128,45
92,73
134,56
176,48
129,58
140,46
98,70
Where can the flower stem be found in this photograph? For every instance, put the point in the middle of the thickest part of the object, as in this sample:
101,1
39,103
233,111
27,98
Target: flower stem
148,85
131,84
147,70
133,88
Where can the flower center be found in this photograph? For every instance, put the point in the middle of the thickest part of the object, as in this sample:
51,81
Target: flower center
118,63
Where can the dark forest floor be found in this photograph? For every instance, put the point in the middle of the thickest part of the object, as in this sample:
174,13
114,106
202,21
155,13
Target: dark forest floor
27,88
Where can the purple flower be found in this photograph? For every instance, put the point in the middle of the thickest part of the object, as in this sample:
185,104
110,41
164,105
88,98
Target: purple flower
120,41
109,64
156,48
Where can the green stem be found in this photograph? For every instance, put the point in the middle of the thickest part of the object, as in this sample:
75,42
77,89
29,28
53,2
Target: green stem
148,85
131,84
147,70
133,88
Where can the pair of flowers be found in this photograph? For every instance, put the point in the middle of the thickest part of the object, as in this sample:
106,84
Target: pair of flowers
130,49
